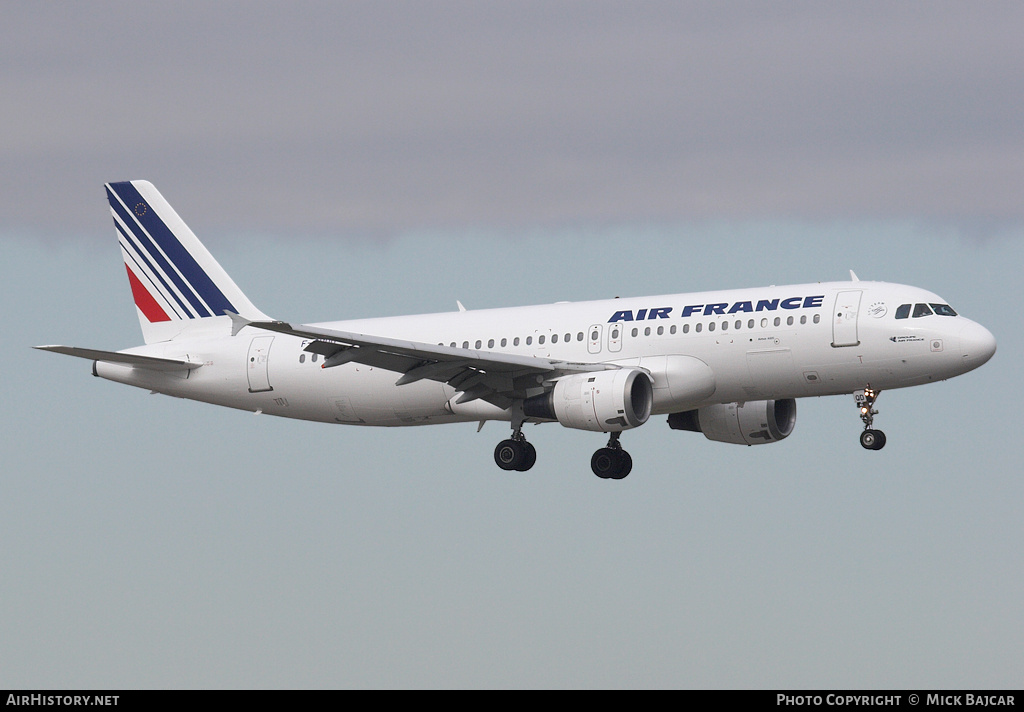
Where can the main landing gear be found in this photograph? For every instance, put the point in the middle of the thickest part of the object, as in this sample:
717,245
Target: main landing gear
611,462
869,439
515,453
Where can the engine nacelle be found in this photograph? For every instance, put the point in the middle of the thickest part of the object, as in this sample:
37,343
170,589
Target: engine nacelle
605,401
750,423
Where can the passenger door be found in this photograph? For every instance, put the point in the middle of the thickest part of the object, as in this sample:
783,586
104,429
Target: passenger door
844,318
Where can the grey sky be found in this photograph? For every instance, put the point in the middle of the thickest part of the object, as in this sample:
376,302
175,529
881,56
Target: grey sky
328,117
507,154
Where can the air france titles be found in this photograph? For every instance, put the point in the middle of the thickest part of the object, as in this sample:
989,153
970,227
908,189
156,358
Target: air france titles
720,308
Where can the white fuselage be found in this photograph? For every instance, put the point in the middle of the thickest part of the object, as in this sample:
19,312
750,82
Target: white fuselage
765,343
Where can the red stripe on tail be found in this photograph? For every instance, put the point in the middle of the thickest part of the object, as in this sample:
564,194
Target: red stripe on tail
144,300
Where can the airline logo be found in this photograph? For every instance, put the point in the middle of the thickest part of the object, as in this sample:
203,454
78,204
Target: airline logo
167,283
722,308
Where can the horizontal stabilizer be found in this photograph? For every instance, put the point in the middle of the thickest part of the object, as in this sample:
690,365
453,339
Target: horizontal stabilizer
151,362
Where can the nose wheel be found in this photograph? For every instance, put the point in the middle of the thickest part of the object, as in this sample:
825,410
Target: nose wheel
870,439
611,462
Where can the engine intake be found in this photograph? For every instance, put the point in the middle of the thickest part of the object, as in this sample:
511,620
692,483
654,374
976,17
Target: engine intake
750,423
604,401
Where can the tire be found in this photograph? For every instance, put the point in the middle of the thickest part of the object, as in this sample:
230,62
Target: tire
529,457
624,467
879,440
872,439
509,455
605,462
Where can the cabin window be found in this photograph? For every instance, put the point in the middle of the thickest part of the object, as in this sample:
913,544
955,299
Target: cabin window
764,322
503,342
554,338
313,359
634,332
698,327
661,330
568,338
515,341
750,323
529,340
738,324
540,339
672,329
686,328
647,331
465,344
711,326
490,343
579,336
817,318
803,318
778,321
478,344
302,358
725,326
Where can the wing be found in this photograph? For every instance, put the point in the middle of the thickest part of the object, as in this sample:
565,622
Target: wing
494,377
150,362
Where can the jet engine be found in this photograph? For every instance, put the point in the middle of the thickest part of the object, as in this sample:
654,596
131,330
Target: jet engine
750,423
604,401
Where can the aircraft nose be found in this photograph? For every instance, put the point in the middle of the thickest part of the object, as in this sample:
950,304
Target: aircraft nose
976,344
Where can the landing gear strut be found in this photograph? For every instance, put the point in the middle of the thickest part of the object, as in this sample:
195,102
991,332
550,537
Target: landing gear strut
611,462
869,439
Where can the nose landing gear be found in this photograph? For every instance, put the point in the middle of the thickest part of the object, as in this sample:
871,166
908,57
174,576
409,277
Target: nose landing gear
870,439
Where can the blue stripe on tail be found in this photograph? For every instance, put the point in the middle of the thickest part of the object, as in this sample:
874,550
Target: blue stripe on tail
137,254
197,284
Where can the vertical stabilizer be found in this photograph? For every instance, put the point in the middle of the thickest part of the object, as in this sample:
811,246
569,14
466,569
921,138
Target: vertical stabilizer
177,285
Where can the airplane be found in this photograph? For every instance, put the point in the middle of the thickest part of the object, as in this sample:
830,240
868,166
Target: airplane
728,364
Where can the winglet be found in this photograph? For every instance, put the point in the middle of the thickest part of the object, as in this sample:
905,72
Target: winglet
461,308
854,277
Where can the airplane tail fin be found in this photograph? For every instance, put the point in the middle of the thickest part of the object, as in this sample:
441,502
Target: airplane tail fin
177,285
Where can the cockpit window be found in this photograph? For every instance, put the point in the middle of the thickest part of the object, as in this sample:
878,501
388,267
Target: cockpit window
922,310
902,311
943,310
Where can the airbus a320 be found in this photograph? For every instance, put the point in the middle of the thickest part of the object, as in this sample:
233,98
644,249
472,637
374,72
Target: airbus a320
729,364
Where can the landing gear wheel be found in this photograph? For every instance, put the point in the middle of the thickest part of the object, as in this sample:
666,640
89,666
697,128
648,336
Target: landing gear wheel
611,463
509,455
529,457
872,439
603,462
516,455
625,465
